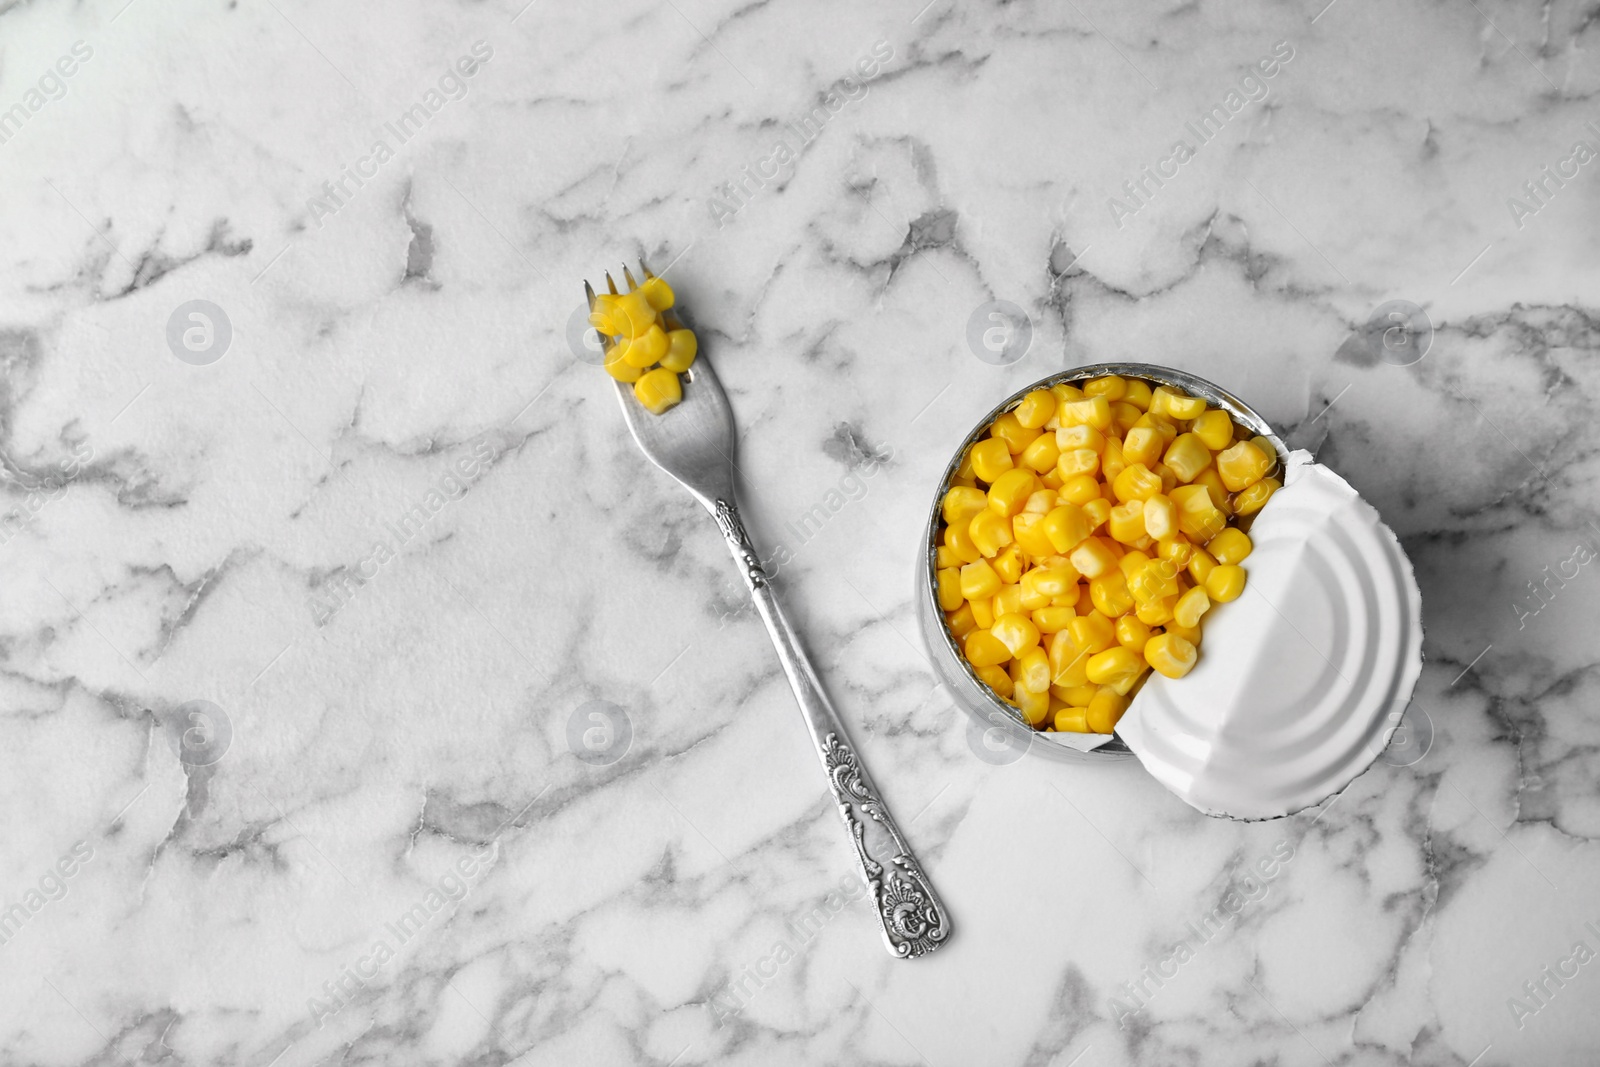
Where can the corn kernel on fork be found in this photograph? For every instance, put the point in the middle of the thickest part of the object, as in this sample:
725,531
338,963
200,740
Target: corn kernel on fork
695,442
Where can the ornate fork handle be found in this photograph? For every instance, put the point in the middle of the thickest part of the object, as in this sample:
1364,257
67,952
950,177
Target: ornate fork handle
914,921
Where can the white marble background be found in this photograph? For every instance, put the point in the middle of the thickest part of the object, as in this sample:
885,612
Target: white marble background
175,532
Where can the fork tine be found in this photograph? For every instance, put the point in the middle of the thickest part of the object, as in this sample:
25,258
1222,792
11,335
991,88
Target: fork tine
611,284
628,274
645,270
588,291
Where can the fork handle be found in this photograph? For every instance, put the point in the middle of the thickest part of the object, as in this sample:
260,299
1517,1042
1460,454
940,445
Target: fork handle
914,921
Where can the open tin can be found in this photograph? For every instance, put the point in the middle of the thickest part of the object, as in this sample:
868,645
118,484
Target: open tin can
1308,678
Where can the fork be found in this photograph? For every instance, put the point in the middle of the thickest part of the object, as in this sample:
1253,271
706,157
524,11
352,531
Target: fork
694,442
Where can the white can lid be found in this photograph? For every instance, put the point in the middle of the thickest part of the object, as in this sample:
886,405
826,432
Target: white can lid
1301,680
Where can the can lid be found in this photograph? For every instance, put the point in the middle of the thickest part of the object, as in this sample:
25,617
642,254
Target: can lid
1301,679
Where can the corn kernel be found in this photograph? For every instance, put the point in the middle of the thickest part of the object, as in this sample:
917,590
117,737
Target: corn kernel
979,580
1112,461
1066,527
1126,523
1034,674
1156,612
658,390
1064,392
1177,549
1072,721
1098,512
944,556
961,504
1008,601
1050,479
1110,386
1214,489
1105,710
1176,404
1160,516
996,678
1009,428
1225,582
1010,491
1190,606
1035,594
1093,632
950,592
958,539
1092,558
1077,461
990,531
990,459
1137,394
1230,546
1251,500
633,315
961,621
1027,529
1113,665
1132,632
1156,579
1201,564
617,364
1016,632
1051,619
1090,411
1041,501
1169,480
982,611
984,649
1109,594
1142,444
1080,489
1034,706
1123,416
1170,655
1040,456
1036,409
1058,577
658,293
1161,424
1215,430
1190,634
1137,482
682,347
1243,465
1069,438
1187,456
1007,563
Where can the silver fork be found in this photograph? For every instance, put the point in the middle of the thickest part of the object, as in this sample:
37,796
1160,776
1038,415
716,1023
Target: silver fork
695,443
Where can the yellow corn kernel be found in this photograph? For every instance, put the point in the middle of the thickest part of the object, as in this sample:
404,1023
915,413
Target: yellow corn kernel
1009,491
1160,516
1092,558
1170,655
603,315
961,621
1106,709
1051,619
1190,606
1027,529
1123,416
658,390
1109,594
1075,696
945,556
1041,454
1169,480
1016,632
1131,561
1112,461
1111,387
1156,579
1201,564
1225,582
950,592
984,649
1187,456
1071,720
1064,392
1215,489
682,347
1126,523
1009,428
979,580
1176,404
1069,438
1190,634
982,611
1076,462
1161,424
1008,601
1156,612
1058,577
633,316
1137,393
1033,596
1007,563
1080,489
958,539
1132,632
1198,518
1113,665
1066,526
1093,632
1050,479
617,364
1243,465
659,293
1251,500
1142,445
1268,449
1041,501
1097,511
996,678
1067,660
1090,411
1136,482
1177,549
1230,546
990,531
990,459
1035,707
1034,673
1215,430
962,503
1036,409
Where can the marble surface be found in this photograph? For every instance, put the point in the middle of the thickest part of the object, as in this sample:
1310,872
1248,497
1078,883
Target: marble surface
367,699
